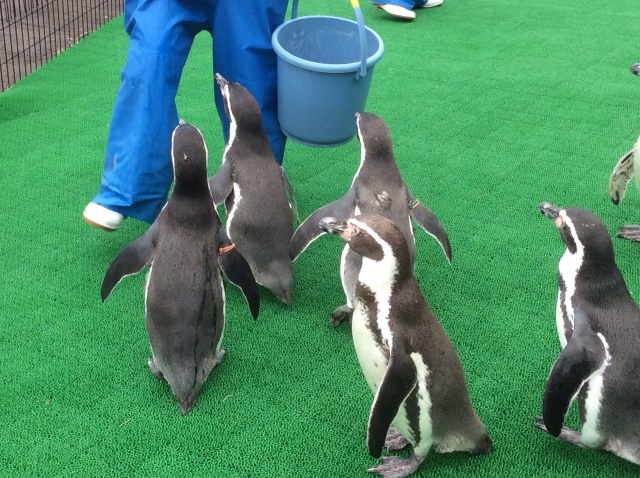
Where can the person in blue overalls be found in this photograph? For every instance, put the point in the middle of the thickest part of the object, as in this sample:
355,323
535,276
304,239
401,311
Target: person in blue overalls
403,9
137,167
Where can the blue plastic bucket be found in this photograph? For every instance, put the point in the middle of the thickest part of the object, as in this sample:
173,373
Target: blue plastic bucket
325,65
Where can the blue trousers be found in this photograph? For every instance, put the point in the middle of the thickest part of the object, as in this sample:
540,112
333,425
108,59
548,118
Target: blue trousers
408,4
138,171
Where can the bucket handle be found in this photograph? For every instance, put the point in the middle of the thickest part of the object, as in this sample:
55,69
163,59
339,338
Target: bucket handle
361,31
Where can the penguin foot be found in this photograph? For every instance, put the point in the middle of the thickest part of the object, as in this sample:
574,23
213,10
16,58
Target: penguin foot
341,315
154,370
395,441
219,357
566,434
396,466
631,233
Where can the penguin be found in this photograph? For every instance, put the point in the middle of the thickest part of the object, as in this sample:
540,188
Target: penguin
598,325
184,297
406,356
377,188
254,189
627,165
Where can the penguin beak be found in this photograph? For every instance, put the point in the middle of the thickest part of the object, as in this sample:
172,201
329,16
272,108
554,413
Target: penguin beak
339,227
221,81
333,225
635,69
552,212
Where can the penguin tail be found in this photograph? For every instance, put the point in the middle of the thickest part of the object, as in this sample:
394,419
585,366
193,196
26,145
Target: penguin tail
185,391
484,445
186,404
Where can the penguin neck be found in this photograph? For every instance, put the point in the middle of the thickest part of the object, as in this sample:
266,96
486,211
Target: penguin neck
379,276
188,185
249,135
597,275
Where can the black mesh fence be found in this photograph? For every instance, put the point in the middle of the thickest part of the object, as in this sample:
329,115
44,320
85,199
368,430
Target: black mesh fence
34,31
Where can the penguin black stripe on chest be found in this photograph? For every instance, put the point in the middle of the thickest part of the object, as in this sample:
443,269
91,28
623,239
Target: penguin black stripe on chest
377,188
599,336
404,353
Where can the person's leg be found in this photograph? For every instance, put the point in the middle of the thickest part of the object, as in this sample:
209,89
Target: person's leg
401,9
408,4
242,53
137,168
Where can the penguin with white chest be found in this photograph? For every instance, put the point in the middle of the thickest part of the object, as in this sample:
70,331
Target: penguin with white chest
184,296
254,189
406,357
598,326
377,188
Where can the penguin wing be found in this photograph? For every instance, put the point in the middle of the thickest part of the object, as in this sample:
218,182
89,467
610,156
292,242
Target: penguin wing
629,232
581,358
398,382
428,221
130,260
291,199
237,270
622,173
310,230
221,183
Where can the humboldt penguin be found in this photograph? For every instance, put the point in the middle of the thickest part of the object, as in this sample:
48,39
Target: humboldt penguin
254,188
409,363
184,296
598,325
377,188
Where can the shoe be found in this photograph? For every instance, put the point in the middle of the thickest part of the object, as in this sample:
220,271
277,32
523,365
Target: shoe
101,217
432,3
398,12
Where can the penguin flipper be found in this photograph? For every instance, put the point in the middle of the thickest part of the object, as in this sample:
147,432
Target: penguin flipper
428,221
221,183
309,231
130,260
631,233
581,358
622,173
237,270
398,382
291,199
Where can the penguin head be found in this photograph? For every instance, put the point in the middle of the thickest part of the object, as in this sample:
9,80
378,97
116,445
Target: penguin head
241,107
582,232
371,236
374,137
189,157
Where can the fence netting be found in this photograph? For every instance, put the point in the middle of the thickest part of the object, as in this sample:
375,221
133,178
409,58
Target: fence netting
34,31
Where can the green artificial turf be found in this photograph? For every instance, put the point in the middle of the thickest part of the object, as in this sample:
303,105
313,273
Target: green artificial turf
493,105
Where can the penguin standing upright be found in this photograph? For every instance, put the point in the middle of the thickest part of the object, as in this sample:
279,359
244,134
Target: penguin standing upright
184,296
599,330
406,357
254,188
377,188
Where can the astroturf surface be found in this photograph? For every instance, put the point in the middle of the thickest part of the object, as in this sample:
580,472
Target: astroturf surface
493,105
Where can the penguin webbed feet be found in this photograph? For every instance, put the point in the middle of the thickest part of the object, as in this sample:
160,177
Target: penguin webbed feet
341,315
566,434
394,440
397,466
631,233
